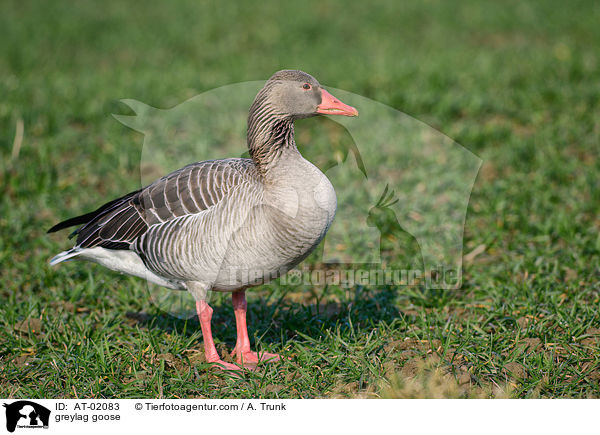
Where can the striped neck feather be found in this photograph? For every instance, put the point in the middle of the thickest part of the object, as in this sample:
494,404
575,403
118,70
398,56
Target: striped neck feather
269,133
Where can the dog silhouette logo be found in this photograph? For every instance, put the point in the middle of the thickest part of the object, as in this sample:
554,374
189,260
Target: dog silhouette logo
26,414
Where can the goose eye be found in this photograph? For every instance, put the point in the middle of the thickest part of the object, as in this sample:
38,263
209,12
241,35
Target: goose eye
306,86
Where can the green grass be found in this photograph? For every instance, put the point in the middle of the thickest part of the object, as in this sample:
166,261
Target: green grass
516,83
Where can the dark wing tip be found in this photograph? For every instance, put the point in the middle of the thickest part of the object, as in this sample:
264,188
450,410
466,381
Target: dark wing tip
78,220
85,218
59,226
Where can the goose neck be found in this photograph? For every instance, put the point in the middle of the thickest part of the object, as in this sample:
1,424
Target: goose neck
270,138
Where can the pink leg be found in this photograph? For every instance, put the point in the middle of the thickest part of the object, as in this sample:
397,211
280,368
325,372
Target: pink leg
205,315
242,345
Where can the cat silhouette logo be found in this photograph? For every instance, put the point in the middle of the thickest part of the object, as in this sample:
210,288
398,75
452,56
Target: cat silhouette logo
26,414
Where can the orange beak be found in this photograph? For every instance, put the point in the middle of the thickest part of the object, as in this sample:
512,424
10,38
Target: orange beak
332,106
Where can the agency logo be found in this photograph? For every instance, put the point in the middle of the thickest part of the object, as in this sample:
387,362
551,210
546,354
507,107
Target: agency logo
402,188
26,414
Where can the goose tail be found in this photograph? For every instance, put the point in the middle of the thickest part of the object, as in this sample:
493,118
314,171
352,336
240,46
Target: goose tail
65,255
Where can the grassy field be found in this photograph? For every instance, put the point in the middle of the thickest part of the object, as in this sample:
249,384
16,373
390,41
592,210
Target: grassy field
517,83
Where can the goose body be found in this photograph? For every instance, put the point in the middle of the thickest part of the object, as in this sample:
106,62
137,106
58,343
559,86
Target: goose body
268,229
223,225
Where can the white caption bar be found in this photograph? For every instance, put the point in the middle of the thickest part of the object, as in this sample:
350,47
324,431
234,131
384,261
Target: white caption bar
260,416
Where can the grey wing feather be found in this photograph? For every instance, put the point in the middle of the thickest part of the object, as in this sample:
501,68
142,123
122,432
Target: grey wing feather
187,191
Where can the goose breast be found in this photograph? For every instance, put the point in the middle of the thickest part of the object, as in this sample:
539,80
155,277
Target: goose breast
282,227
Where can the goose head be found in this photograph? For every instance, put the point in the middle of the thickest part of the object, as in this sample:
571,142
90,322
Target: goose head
295,95
287,96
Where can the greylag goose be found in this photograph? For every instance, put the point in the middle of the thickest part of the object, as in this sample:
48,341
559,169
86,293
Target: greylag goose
224,225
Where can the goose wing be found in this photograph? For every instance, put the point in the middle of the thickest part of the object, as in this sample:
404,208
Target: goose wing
187,191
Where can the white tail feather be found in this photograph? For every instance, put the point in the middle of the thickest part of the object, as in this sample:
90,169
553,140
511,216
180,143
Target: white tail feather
119,260
65,255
